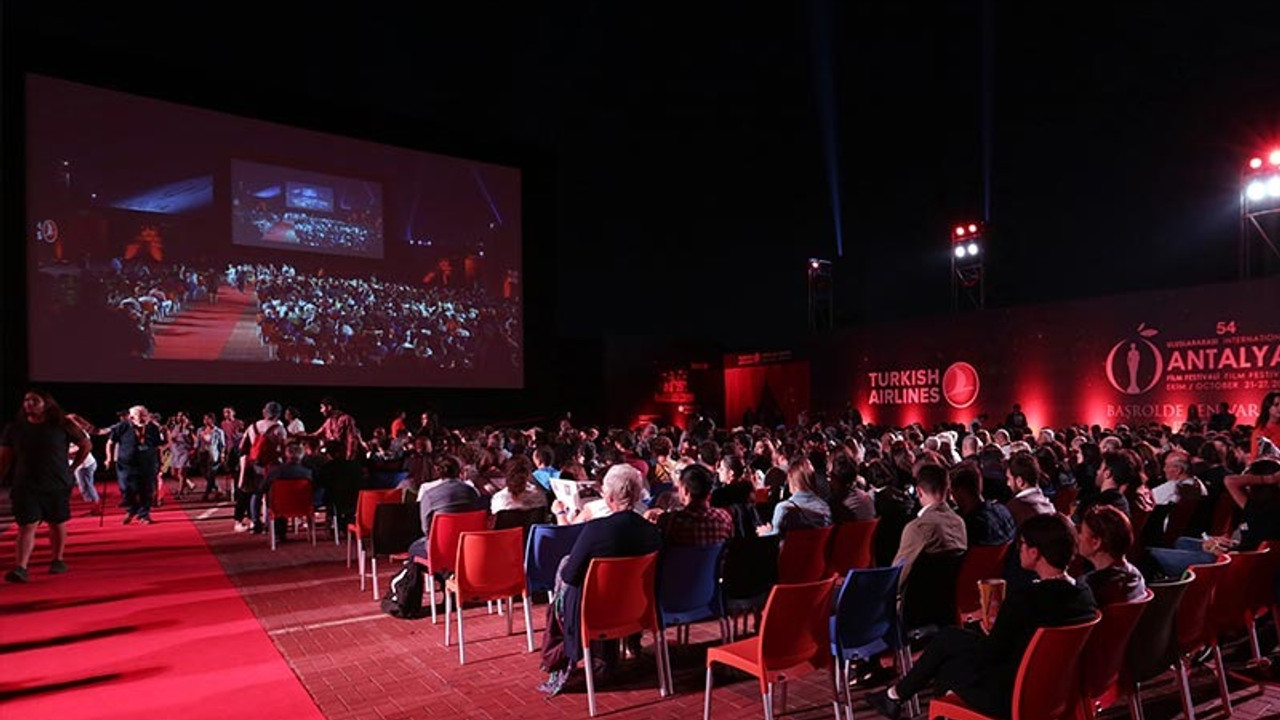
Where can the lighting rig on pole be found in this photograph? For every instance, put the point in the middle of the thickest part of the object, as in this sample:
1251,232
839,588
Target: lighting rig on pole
1259,210
821,295
968,271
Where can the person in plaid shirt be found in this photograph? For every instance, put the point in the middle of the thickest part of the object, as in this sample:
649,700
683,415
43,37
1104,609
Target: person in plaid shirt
696,523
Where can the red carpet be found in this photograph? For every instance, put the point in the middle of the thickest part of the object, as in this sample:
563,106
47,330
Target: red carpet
146,624
202,330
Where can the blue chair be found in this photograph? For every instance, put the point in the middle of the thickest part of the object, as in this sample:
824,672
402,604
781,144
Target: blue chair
866,623
548,545
689,588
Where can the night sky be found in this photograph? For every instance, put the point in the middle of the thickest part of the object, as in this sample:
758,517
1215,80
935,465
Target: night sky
676,169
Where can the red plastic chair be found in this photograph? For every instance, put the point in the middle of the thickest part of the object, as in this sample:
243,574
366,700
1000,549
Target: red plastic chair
1104,654
618,601
1262,595
366,505
442,546
489,566
1048,682
794,639
1065,499
981,562
851,547
1247,592
1197,631
803,557
290,499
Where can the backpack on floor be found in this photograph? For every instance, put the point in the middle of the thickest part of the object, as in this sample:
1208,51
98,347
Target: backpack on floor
404,596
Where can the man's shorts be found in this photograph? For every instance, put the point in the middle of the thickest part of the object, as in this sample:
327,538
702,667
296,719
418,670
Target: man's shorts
32,506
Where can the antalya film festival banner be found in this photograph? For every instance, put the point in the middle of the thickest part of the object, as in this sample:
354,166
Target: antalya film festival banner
1129,359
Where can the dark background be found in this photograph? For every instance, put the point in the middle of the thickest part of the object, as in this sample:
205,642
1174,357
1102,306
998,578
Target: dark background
676,173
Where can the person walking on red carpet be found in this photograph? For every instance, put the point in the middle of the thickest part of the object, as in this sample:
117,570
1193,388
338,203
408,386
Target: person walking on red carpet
35,447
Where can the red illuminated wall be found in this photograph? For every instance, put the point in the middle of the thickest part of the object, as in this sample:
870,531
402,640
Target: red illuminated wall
782,386
1167,351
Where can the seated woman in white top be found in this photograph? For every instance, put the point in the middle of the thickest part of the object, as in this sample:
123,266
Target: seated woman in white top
521,492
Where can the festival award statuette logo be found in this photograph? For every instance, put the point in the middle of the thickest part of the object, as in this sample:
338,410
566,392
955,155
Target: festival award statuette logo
1135,364
960,385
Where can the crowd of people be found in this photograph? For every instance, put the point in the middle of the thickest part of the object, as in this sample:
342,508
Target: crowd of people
316,231
936,490
364,321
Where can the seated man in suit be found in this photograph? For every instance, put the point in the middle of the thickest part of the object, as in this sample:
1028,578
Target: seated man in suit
937,528
981,669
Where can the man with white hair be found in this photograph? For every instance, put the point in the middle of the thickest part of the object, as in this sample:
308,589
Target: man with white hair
134,446
622,533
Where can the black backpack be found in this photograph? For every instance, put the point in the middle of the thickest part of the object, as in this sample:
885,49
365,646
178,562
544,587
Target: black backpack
404,596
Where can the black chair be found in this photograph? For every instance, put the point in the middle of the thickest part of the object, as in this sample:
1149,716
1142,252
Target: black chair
395,527
1153,647
749,571
929,593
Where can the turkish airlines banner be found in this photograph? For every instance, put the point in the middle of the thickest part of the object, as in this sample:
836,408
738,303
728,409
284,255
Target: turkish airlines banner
1130,359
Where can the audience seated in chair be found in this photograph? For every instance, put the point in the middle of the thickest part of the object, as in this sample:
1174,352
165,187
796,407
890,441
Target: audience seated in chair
986,522
1105,537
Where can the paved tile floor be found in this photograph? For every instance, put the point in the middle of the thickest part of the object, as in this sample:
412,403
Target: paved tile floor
359,664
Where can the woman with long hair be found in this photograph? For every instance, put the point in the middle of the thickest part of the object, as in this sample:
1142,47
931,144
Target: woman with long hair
181,442
1268,425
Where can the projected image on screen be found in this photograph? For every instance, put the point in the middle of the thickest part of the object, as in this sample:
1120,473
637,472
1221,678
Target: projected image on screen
170,244
285,207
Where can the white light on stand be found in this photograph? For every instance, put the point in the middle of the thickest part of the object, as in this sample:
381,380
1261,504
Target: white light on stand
959,251
1273,186
973,249
1256,190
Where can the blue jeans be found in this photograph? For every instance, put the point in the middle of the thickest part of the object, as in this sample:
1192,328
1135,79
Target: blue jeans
1186,551
84,479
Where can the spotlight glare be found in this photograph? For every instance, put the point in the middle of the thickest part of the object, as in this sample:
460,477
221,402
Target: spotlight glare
814,264
1274,157
959,231
1256,190
1255,163
1273,186
973,249
973,228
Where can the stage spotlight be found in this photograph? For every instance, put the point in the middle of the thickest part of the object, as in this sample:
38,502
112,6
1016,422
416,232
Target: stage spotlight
1255,163
1256,190
1274,157
973,228
813,264
973,249
1273,186
960,251
959,231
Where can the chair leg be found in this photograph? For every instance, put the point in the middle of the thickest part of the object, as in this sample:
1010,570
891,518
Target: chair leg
360,560
768,702
1184,690
335,537
335,533
706,698
373,574
510,606
448,616
1135,703
591,680
489,604
782,697
1221,671
431,598
528,619
1254,645
462,650
660,654
666,659
848,693
836,697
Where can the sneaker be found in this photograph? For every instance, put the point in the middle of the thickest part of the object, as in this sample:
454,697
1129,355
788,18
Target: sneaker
146,521
57,567
128,519
242,527
555,683
885,705
16,575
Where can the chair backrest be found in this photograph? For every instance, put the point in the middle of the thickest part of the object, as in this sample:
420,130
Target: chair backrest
367,501
395,526
795,627
1262,587
980,562
851,546
1065,498
1223,520
866,616
1105,651
618,597
490,564
750,567
929,592
687,581
547,546
1195,617
291,499
1180,517
803,556
1153,649
523,519
1233,597
442,542
1048,682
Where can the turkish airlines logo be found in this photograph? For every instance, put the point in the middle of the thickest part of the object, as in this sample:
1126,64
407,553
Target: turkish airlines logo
1135,364
960,385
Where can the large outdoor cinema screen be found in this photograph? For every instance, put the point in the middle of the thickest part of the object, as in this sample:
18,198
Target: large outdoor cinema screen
176,245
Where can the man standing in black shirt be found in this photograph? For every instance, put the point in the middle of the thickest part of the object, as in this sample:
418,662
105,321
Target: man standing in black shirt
36,446
134,444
